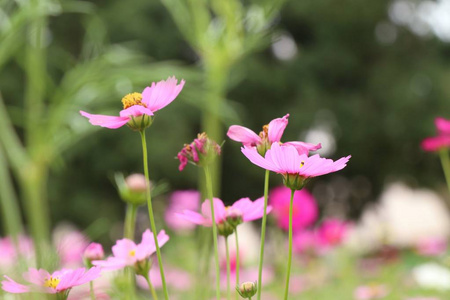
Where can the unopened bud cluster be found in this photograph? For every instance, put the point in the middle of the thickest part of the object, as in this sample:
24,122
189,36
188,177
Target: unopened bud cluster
200,152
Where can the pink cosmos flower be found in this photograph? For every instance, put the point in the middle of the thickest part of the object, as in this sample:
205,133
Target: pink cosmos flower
70,244
152,99
296,168
270,134
199,152
332,232
178,202
304,241
127,253
9,255
175,277
243,210
442,125
93,252
441,141
432,247
57,282
304,208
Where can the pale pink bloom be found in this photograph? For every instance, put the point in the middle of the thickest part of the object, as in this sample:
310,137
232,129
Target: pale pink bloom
244,208
44,282
285,159
127,253
332,232
368,292
178,202
270,134
432,246
442,125
304,211
175,278
304,241
70,245
9,254
93,252
136,183
152,99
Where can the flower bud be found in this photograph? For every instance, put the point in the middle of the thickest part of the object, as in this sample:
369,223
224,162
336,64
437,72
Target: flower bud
142,267
200,152
234,217
93,252
247,289
225,229
132,189
136,183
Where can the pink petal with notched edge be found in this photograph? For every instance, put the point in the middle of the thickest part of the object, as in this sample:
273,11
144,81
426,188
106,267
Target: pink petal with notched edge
257,210
253,155
13,287
162,93
442,125
316,165
219,210
135,111
244,135
147,246
276,128
285,158
111,122
304,148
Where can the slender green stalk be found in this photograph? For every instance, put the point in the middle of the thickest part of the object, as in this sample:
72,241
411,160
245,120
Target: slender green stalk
130,221
91,288
150,214
263,233
152,289
214,227
237,261
445,161
288,274
227,250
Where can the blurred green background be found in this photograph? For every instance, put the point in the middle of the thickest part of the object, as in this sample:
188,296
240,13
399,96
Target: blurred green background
365,78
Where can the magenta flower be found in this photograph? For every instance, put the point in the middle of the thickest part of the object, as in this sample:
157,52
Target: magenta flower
200,152
227,218
178,202
127,253
136,106
295,168
332,232
305,209
59,282
270,134
442,140
442,125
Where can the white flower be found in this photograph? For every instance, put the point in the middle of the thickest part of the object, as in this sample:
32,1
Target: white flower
433,276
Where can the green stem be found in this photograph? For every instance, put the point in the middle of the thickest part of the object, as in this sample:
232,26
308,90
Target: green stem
214,227
288,274
227,250
150,286
91,288
237,261
445,161
150,214
130,221
263,233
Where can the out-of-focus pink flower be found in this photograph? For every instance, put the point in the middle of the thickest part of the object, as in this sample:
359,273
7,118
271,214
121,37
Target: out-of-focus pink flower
9,254
368,292
178,202
304,241
432,247
127,253
304,208
442,125
200,152
136,105
296,168
94,252
243,210
332,232
70,245
44,282
175,278
270,134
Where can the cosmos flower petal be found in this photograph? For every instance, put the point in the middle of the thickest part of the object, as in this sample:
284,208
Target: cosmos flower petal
304,148
442,125
244,135
276,128
253,155
162,93
135,111
13,287
219,209
111,122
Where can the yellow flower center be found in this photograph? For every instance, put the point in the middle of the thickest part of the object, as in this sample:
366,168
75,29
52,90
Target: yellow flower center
132,252
52,282
302,164
132,99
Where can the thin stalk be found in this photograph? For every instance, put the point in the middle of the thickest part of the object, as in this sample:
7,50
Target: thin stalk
288,274
150,286
91,288
237,261
150,214
228,268
130,221
214,227
445,161
263,233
